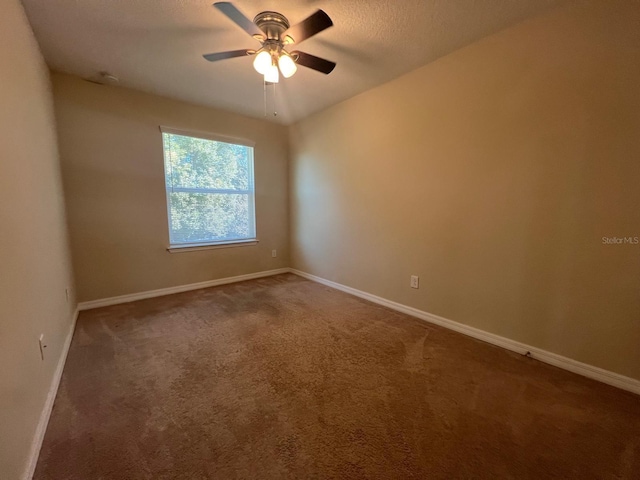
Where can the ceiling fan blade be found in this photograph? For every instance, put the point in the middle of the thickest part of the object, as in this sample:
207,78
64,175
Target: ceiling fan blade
214,57
239,19
313,62
309,27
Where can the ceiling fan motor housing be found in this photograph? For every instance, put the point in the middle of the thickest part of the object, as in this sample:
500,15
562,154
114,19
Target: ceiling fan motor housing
273,24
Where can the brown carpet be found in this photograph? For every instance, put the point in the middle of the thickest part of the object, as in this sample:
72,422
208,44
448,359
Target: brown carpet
284,378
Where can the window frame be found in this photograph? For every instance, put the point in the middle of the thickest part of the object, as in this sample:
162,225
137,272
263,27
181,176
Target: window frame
195,246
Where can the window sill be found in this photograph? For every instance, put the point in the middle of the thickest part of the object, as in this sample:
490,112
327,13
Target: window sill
194,247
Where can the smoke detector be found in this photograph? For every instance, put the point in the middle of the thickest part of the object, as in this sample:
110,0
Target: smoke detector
103,78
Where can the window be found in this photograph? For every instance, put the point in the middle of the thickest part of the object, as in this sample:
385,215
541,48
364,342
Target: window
210,190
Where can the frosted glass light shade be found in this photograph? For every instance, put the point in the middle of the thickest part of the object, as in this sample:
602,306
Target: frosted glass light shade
287,66
271,75
262,62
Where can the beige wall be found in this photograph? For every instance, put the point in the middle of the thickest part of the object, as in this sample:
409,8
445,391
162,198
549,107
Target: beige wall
35,264
112,161
493,174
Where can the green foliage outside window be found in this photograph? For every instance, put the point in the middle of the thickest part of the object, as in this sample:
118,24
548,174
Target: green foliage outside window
210,192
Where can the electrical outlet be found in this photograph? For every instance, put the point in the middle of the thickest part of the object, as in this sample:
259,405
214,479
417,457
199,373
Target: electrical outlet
274,253
415,281
42,345
67,292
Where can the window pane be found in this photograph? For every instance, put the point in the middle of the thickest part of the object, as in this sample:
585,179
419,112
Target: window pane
201,163
209,217
210,191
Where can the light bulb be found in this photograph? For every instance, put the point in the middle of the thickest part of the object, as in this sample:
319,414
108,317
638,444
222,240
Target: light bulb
262,62
287,66
271,75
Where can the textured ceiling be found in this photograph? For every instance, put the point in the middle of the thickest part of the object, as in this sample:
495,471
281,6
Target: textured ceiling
156,45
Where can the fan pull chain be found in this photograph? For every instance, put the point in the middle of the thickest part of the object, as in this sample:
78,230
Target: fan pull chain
265,97
275,110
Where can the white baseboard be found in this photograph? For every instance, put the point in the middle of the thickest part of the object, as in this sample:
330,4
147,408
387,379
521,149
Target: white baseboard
41,429
105,302
586,370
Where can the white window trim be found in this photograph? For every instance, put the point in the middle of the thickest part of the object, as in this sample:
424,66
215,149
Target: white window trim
194,247
208,136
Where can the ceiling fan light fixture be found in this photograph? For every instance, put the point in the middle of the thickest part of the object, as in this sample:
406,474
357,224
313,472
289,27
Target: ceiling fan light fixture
262,63
273,31
272,75
287,66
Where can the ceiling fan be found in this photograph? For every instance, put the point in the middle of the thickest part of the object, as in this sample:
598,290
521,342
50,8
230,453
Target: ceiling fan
273,31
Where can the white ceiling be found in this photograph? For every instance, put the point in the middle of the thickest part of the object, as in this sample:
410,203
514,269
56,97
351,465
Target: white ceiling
156,45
